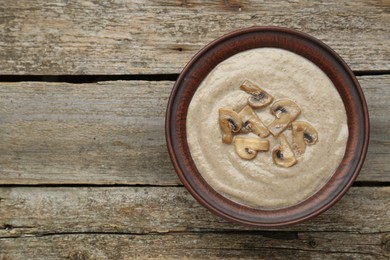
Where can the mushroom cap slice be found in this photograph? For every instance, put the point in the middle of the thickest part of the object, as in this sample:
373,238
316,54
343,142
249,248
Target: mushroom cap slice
252,123
285,110
230,123
247,148
303,134
282,154
259,97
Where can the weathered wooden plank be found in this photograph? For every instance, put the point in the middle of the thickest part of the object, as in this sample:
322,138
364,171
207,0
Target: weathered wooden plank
89,133
39,211
252,245
377,93
113,133
143,37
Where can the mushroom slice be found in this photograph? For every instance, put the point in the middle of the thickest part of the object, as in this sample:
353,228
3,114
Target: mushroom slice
230,123
260,98
252,123
303,134
285,110
247,148
282,154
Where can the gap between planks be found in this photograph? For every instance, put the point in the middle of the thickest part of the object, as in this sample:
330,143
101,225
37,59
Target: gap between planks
77,79
357,183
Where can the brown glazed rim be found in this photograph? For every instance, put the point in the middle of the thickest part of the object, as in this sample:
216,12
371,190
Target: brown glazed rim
310,48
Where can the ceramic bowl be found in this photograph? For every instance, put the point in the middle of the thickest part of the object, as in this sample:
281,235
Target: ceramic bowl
299,43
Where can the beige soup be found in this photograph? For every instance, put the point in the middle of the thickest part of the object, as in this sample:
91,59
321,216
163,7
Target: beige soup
259,183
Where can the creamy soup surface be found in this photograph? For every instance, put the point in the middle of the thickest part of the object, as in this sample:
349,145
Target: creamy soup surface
259,183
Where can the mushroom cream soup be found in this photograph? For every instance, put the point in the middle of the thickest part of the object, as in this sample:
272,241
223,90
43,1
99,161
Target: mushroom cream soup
261,181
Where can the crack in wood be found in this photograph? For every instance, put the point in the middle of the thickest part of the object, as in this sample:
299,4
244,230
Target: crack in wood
130,77
89,185
279,235
79,79
371,72
43,185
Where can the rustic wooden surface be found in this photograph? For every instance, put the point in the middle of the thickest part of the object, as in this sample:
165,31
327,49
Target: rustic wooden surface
84,171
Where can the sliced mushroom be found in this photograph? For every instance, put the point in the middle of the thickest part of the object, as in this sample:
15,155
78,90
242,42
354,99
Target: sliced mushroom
282,154
230,123
260,98
252,123
285,111
247,148
303,134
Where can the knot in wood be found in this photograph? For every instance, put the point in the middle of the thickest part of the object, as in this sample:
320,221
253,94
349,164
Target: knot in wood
312,243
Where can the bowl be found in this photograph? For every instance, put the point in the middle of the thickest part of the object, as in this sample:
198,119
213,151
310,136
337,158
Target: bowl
305,46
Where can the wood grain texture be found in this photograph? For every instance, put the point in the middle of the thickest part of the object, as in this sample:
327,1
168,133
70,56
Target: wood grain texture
144,37
113,133
239,245
88,133
35,211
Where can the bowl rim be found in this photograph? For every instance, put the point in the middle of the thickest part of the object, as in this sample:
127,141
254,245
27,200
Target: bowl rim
302,44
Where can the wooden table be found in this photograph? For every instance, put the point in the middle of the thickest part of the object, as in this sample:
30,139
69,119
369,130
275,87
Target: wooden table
84,168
